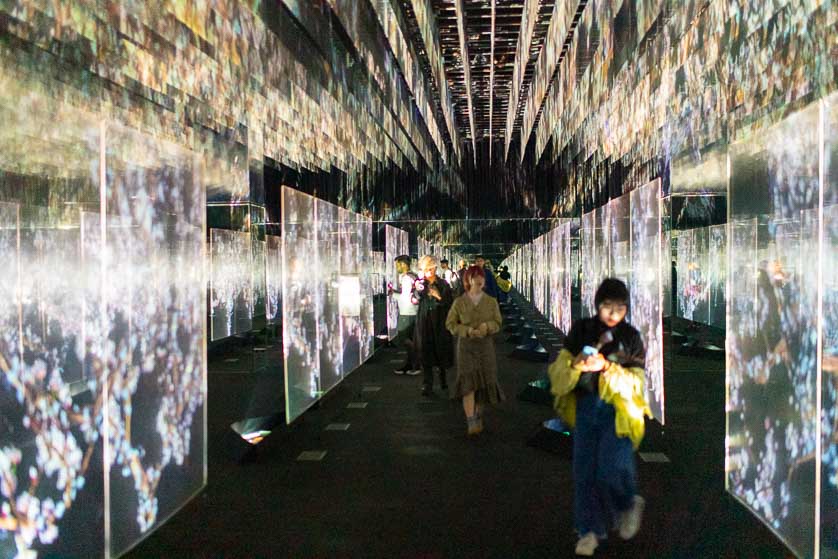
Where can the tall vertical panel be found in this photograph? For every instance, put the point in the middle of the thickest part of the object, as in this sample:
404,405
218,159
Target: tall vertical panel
330,284
365,271
231,283
772,326
618,231
716,274
829,336
258,270
51,462
300,277
588,253
645,287
273,278
155,308
691,275
350,318
602,255
396,244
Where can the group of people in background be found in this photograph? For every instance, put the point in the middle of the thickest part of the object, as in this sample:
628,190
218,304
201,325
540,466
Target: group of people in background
597,378
445,313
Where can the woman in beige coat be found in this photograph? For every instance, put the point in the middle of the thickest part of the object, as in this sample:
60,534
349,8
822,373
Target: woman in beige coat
474,318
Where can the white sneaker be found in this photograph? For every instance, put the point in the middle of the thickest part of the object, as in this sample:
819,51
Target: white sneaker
630,520
587,544
414,372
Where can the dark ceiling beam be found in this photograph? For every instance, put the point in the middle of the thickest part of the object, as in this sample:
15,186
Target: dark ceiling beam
461,30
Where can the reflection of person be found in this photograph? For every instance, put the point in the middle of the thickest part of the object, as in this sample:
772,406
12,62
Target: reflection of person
491,285
474,318
603,399
433,342
408,309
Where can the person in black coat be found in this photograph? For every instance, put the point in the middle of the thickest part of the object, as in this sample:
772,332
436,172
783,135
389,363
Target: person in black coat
434,344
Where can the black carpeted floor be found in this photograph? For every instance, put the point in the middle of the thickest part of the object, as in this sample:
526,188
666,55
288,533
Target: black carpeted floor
404,481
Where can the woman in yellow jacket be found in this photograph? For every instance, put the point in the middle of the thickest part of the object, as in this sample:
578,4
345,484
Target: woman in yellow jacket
598,383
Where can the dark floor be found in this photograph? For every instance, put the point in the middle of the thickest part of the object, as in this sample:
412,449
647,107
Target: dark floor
404,481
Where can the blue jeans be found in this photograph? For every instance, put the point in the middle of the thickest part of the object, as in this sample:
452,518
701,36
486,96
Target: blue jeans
604,472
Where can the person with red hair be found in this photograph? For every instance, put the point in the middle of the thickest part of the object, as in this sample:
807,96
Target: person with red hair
474,318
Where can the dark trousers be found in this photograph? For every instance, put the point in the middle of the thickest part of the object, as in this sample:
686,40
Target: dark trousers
604,472
428,376
407,327
433,354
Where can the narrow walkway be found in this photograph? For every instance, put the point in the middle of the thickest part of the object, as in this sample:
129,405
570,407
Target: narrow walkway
404,481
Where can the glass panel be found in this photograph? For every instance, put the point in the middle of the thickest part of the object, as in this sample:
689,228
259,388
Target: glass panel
231,283
273,270
328,291
300,277
154,292
772,334
829,374
645,287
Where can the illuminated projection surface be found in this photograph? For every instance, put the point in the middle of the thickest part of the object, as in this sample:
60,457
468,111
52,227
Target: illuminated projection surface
260,285
231,283
692,257
645,287
702,274
587,238
111,315
366,302
772,333
618,228
328,326
350,324
717,274
829,360
379,273
273,272
300,284
326,275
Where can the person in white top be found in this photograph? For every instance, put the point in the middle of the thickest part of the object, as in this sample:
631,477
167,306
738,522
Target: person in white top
448,274
408,308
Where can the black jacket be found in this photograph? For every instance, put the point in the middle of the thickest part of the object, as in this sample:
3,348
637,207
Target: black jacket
626,347
434,343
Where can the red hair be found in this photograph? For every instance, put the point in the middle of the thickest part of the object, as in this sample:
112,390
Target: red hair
471,273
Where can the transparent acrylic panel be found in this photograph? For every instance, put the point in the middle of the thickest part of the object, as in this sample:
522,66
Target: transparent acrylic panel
772,327
231,283
396,244
260,278
602,254
378,279
273,278
350,324
50,440
367,304
693,293
155,313
299,284
668,285
645,287
717,274
619,230
829,359
588,256
328,291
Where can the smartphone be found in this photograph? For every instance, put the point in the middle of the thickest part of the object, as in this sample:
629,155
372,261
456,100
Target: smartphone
589,350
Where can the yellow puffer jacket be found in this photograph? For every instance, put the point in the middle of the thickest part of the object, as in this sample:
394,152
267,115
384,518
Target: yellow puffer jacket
619,386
